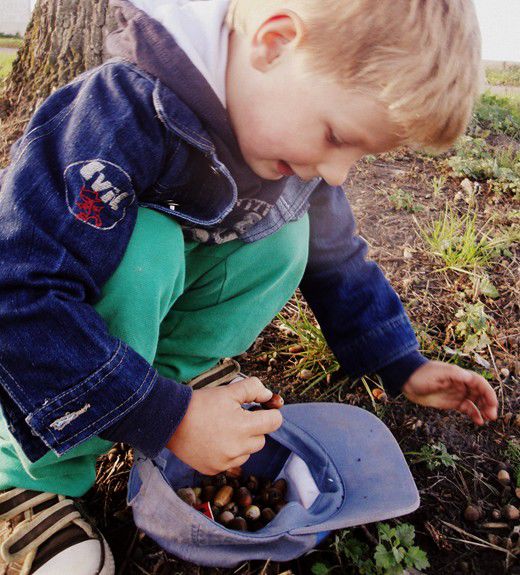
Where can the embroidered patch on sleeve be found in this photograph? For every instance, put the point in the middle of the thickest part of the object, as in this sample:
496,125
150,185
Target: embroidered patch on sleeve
98,192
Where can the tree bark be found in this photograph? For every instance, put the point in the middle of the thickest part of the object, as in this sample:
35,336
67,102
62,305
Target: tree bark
63,39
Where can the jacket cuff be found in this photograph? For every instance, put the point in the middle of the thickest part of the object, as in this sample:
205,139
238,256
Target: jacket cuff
149,426
396,374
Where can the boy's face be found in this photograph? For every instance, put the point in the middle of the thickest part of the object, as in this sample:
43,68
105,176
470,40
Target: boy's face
289,122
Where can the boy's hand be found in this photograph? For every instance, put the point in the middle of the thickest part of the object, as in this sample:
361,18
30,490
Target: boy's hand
216,433
446,386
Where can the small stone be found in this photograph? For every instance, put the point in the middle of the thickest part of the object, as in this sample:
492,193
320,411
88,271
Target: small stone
305,374
504,477
472,513
504,372
510,512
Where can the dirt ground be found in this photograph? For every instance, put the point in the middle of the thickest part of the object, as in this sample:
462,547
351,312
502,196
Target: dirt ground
454,545
432,296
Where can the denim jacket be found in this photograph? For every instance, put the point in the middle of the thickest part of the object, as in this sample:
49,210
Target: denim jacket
114,138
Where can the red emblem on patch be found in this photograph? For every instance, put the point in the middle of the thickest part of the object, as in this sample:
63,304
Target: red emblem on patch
90,206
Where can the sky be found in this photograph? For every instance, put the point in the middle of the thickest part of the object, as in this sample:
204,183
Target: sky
500,26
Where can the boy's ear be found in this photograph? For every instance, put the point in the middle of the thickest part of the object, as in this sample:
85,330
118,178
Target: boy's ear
273,38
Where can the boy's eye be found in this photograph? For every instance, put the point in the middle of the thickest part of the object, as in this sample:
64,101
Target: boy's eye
333,139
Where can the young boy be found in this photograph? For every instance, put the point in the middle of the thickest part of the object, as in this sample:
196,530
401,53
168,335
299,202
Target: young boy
160,209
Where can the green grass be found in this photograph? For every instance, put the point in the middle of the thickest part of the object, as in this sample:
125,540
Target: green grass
10,42
509,76
456,240
6,61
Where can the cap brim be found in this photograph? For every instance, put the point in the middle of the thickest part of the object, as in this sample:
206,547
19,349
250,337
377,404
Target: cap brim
376,481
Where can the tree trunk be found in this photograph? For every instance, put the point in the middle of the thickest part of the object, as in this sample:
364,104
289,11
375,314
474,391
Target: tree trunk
63,39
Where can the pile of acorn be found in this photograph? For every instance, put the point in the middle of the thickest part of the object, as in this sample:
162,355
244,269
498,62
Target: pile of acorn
243,503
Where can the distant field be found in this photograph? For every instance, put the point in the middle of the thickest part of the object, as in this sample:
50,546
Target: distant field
6,60
8,42
504,76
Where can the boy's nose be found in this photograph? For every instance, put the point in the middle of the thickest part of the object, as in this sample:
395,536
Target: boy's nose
335,174
334,170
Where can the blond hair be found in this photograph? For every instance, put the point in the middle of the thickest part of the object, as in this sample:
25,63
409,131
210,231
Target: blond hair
421,58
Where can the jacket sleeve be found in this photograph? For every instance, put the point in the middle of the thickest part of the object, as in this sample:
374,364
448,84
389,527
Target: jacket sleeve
360,314
67,210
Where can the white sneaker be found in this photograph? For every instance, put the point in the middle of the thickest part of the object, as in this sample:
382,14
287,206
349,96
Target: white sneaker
44,534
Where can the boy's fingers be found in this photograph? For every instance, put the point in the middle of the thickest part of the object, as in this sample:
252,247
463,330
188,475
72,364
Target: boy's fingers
264,421
471,410
249,390
484,395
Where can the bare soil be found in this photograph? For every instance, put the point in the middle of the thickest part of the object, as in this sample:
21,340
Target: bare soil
454,545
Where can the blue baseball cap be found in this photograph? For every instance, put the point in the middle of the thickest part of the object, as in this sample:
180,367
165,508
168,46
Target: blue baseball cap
343,468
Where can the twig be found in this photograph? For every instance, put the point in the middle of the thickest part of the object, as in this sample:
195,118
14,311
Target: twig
483,542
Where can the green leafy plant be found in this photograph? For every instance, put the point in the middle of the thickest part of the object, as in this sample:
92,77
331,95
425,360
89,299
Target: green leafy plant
434,456
473,327
498,166
457,241
497,114
512,453
403,200
394,553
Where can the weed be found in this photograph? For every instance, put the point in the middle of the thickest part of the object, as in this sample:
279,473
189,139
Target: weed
499,167
394,553
456,241
473,327
434,456
498,114
438,183
314,356
403,200
512,453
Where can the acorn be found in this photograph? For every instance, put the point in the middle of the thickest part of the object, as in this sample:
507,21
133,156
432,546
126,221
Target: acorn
276,402
504,477
472,513
243,497
223,496
208,492
252,512
510,513
231,506
296,348
220,480
187,495
252,484
206,481
225,517
268,514
281,485
273,496
233,473
238,523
